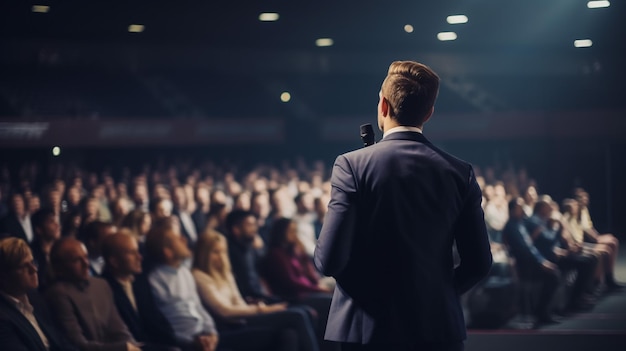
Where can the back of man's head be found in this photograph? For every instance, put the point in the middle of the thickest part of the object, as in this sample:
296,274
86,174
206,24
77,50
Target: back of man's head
411,89
93,233
157,240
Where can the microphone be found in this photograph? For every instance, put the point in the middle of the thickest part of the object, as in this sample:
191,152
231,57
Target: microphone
367,134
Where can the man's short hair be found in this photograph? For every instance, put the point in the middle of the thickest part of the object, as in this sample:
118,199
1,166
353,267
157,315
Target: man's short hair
92,230
38,219
411,89
156,240
235,218
12,252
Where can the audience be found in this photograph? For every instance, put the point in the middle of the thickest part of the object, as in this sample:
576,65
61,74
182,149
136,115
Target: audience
270,217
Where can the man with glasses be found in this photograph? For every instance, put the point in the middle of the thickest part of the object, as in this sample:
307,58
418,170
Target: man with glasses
24,322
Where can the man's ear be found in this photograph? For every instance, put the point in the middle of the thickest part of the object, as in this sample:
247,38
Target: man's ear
384,107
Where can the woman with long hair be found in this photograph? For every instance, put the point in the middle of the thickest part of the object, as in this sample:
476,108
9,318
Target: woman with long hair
289,271
219,293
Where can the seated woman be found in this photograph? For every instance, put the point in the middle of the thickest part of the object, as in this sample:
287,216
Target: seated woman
289,271
219,293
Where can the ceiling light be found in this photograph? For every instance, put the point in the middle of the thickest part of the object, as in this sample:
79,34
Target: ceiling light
408,28
583,43
136,28
457,19
40,8
285,97
595,4
324,42
446,36
269,17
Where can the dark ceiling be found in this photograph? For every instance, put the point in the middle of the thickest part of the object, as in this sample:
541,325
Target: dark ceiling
511,55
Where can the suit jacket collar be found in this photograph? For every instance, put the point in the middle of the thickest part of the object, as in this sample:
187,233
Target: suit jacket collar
23,324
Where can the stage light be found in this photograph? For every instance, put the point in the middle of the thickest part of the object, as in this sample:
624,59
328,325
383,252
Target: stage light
595,4
285,97
56,151
408,28
324,42
446,36
136,28
269,17
457,19
583,43
40,8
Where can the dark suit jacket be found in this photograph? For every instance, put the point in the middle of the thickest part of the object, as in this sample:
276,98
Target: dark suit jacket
11,226
396,208
147,324
17,334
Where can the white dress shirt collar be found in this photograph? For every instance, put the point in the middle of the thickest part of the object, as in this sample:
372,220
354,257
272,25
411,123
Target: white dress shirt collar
402,129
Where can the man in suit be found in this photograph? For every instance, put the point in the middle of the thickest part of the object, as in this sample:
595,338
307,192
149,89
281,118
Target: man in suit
17,222
83,305
132,295
24,321
396,209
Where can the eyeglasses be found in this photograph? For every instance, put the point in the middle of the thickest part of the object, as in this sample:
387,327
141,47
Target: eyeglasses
28,265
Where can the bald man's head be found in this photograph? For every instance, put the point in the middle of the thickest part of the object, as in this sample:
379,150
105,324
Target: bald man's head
68,257
121,254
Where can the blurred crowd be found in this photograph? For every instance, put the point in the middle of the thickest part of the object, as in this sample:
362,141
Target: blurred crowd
219,256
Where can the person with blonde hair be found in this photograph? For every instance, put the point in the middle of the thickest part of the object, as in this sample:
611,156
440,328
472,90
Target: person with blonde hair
24,322
219,293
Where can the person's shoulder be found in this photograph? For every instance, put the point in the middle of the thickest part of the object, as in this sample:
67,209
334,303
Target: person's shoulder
200,275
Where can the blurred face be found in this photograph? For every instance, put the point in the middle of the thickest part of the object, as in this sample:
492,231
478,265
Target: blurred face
518,210
292,233
73,196
531,195
163,208
217,256
128,259
18,205
178,246
249,228
34,204
50,230
75,264
146,223
24,277
499,191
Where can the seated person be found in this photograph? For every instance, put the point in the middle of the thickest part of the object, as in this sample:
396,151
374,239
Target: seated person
530,264
547,238
290,272
218,291
47,231
609,242
176,296
83,305
92,236
24,321
131,293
